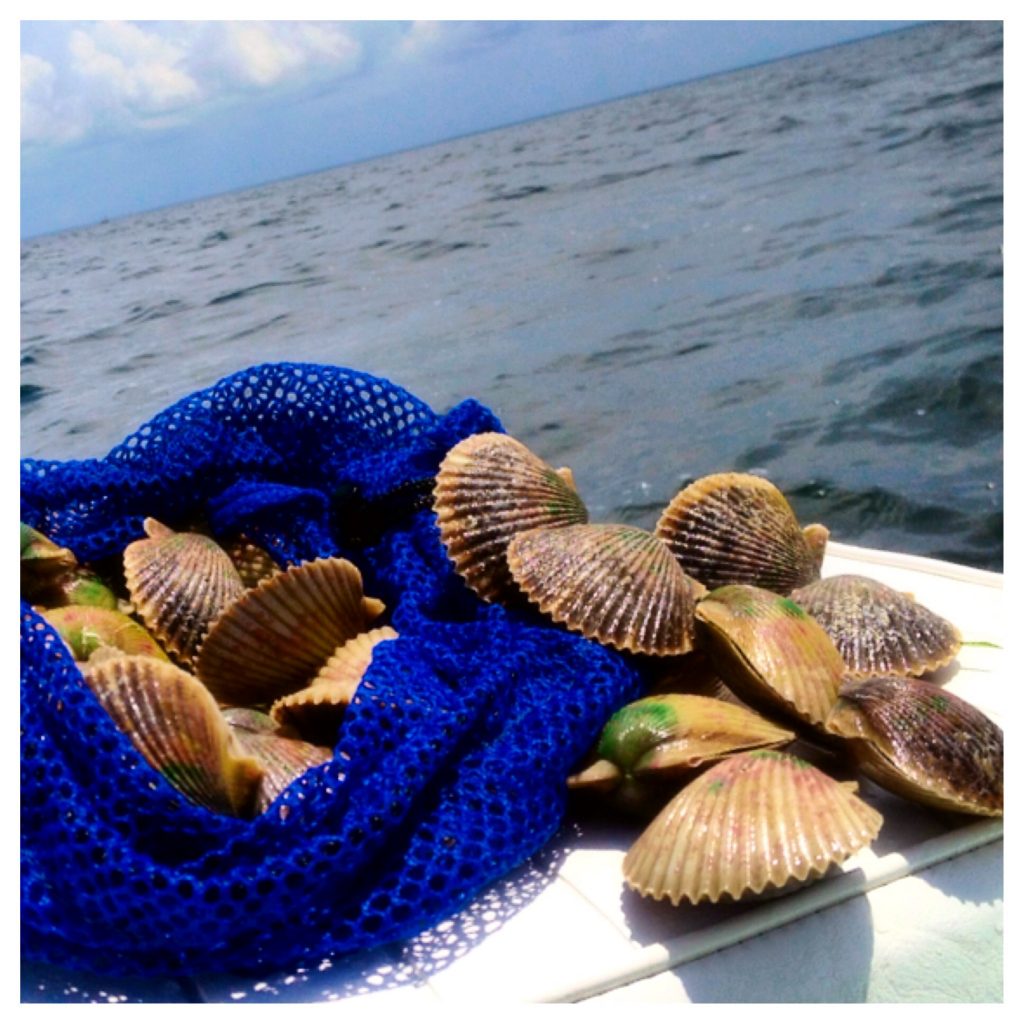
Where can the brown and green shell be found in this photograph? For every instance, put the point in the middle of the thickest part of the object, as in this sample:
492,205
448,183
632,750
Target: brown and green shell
770,652
738,528
922,742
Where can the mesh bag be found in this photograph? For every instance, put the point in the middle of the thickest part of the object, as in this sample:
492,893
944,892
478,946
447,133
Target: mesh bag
449,769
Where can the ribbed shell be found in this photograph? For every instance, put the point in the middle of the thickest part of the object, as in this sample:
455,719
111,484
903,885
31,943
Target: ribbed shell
179,583
914,738
489,488
348,664
878,630
277,635
615,584
770,651
737,528
755,821
283,756
315,712
175,724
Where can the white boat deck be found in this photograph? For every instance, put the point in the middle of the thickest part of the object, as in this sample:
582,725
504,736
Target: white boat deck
916,918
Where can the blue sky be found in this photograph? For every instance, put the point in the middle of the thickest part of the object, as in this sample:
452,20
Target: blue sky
123,116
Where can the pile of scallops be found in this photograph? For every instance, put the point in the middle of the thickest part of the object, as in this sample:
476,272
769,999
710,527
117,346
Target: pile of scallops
748,651
231,674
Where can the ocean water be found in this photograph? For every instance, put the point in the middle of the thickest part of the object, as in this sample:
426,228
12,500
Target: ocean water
794,269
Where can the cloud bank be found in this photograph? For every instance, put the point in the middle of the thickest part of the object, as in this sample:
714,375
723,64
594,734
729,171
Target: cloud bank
106,78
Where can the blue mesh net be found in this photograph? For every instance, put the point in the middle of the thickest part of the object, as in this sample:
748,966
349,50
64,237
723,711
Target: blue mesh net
449,769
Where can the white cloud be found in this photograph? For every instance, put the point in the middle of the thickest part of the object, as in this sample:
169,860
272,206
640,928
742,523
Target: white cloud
421,37
134,67
121,76
43,117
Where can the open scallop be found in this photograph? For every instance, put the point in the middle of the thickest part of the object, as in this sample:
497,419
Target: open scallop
752,823
738,528
922,742
276,636
315,712
616,584
489,488
878,630
656,741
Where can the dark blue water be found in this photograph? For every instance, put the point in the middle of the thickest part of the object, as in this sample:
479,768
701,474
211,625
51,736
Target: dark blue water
794,269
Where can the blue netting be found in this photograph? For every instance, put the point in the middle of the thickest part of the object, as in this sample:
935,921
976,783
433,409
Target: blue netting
450,766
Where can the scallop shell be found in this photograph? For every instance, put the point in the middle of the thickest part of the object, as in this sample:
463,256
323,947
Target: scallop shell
615,584
922,742
348,664
737,528
252,562
878,630
314,712
770,651
174,722
179,584
682,731
654,742
40,554
283,756
489,488
750,823
274,637
84,628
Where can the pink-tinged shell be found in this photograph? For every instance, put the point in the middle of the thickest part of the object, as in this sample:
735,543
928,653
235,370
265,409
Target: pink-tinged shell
174,722
179,583
283,756
878,630
770,652
489,488
616,584
751,823
275,637
84,628
922,742
737,528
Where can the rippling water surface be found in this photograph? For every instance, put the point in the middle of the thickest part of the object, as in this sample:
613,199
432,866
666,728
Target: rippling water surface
794,269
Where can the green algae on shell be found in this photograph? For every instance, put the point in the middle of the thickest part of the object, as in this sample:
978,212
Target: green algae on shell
52,577
922,742
771,652
738,528
752,823
616,584
85,628
674,733
489,488
661,739
877,630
